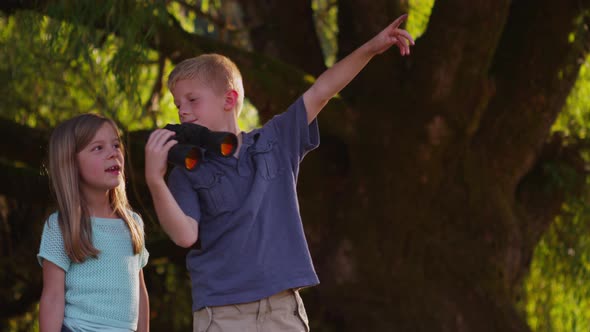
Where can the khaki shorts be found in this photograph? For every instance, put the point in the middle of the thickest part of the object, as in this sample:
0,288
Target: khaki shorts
283,311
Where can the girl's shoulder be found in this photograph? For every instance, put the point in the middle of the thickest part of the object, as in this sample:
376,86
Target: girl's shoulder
136,217
52,220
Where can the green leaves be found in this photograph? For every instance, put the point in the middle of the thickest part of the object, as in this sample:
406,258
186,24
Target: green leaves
419,14
557,288
574,121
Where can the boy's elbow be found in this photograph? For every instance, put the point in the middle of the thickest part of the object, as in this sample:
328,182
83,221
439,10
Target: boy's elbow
183,244
185,241
184,234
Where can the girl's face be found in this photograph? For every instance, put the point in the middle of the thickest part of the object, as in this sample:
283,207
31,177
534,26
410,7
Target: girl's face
101,162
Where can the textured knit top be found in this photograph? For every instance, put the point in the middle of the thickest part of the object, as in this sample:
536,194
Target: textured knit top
103,290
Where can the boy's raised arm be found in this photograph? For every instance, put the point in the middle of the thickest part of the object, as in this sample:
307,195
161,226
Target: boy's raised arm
335,78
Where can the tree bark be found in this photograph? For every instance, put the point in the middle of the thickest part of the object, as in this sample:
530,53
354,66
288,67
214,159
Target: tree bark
285,30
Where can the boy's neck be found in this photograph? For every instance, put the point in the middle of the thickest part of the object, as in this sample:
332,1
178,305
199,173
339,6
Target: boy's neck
237,152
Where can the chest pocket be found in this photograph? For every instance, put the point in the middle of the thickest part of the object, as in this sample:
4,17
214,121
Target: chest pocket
216,193
266,156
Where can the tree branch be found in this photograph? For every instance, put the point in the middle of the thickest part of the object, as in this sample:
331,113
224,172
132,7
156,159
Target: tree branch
22,143
152,104
287,32
451,60
534,70
167,37
558,173
359,21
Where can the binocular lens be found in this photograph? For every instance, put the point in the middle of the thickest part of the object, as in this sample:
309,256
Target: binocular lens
228,145
184,155
191,160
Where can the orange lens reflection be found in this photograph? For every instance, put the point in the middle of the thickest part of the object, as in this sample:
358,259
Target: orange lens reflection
191,160
227,146
226,149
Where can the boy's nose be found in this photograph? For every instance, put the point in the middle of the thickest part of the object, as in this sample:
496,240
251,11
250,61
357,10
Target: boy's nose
183,110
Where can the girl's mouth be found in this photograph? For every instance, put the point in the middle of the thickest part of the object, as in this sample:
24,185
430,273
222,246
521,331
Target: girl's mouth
113,169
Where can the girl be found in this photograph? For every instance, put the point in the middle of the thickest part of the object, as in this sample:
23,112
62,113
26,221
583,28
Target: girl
92,249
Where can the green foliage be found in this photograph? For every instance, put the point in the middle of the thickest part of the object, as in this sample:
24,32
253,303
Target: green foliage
326,21
52,70
557,291
575,119
29,322
248,119
418,16
48,78
170,302
221,20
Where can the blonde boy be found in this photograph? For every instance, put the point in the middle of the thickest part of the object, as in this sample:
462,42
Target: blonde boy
251,256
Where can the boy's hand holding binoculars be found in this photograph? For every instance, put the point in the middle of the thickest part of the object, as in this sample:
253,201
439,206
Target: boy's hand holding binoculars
183,145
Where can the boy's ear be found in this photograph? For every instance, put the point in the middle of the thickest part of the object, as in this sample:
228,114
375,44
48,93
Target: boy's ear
231,98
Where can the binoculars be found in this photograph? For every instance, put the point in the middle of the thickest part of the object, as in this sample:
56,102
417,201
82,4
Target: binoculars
192,138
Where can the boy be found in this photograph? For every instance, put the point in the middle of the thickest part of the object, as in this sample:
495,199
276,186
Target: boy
252,255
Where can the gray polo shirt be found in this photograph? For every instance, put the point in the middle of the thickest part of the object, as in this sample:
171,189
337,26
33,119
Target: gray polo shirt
251,239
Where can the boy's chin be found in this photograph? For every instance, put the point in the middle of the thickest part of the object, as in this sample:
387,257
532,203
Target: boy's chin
193,122
199,123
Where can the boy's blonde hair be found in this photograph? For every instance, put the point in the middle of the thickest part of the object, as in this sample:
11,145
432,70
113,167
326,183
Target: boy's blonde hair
215,70
66,141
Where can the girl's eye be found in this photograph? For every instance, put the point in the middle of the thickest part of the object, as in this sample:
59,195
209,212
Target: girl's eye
97,148
117,145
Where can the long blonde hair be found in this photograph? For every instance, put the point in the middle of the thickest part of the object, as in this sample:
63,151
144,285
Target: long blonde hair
66,141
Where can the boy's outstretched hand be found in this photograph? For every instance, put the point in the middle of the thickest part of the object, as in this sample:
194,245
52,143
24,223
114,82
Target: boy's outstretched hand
335,78
390,36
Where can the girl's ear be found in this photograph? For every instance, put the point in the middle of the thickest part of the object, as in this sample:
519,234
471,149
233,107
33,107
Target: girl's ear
231,98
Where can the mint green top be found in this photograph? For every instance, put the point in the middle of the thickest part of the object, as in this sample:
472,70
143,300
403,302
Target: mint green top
103,290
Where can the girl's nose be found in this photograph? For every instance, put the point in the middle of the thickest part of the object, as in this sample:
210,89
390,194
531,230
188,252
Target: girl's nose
114,152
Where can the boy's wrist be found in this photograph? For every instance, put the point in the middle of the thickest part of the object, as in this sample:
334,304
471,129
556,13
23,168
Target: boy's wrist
367,50
155,183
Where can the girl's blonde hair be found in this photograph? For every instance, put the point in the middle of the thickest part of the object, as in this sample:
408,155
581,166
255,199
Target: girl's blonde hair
66,141
215,70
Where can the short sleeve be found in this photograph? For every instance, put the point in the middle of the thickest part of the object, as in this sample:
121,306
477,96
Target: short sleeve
183,192
144,254
293,131
52,245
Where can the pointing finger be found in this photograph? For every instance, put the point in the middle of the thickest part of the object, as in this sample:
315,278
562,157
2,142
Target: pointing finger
399,21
